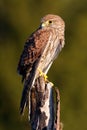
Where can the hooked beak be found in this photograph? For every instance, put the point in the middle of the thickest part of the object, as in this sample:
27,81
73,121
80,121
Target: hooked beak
44,24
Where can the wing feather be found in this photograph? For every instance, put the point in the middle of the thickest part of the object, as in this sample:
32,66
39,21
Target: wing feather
29,60
33,49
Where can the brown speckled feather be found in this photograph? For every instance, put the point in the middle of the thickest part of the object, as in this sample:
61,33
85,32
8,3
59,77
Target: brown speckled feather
33,48
29,60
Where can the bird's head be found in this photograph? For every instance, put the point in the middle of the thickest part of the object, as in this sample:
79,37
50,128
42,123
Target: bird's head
53,21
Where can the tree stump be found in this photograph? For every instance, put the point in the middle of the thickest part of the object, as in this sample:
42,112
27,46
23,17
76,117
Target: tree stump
42,108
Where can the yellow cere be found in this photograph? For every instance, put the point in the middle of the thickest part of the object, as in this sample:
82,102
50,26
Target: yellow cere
44,24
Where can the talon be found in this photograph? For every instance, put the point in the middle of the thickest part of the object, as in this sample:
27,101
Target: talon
45,77
43,74
40,72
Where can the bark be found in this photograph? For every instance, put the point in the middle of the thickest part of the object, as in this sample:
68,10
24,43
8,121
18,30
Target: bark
42,107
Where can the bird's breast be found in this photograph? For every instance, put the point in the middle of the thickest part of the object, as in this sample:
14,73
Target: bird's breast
49,53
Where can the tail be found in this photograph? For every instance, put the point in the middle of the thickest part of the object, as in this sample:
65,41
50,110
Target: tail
27,88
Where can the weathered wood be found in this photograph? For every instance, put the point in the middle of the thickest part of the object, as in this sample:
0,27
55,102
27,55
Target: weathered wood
42,106
57,121
41,102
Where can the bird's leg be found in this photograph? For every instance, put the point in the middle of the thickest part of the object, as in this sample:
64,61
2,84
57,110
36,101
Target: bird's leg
42,74
45,76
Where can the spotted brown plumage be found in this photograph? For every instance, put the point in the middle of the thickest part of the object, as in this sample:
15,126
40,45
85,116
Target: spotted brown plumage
32,51
40,50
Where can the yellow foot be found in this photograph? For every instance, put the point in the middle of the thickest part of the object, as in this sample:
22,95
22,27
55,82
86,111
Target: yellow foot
43,74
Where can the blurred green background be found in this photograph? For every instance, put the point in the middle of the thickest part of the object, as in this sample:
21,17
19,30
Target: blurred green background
18,19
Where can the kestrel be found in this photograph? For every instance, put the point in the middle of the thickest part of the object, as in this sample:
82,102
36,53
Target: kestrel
40,50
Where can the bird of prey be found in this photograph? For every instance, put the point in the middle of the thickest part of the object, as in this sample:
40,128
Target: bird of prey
40,50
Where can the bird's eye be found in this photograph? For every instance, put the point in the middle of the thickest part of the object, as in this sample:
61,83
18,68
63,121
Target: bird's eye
50,21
